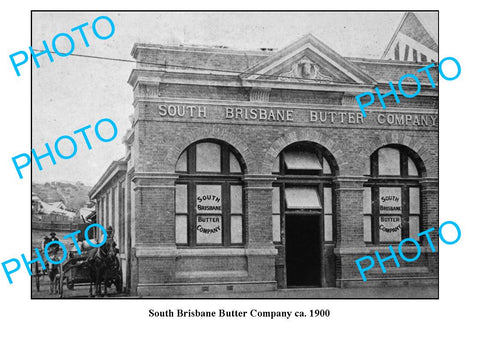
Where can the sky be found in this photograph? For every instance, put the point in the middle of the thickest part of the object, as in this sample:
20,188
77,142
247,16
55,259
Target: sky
73,92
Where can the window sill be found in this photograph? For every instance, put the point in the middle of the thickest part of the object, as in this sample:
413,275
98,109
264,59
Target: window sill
198,252
369,250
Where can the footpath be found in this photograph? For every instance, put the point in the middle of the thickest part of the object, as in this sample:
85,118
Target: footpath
411,292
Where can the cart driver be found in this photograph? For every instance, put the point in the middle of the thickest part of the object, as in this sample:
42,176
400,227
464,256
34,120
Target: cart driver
54,247
45,241
110,240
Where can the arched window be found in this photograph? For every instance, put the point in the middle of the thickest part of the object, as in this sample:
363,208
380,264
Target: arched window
209,196
391,200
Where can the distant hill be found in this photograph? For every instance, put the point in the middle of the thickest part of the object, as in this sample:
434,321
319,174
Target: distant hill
74,195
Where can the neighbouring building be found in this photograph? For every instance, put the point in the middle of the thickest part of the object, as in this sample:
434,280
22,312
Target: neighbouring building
415,39
255,170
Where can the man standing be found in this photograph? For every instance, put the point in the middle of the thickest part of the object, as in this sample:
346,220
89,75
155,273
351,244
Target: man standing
54,247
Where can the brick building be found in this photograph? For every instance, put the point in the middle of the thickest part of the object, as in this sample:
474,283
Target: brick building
415,39
252,170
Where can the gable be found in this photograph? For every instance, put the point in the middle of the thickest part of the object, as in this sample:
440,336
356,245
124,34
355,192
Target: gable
307,60
306,66
413,32
413,28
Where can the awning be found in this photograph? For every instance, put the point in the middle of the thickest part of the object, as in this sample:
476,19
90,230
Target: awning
302,160
302,198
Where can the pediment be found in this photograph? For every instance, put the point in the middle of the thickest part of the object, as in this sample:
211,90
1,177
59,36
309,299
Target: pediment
307,60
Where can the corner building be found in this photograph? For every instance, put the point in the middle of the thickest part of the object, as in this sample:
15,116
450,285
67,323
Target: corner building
255,170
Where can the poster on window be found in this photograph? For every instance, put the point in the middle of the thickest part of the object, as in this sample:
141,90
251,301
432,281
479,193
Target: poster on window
209,229
390,228
390,201
209,199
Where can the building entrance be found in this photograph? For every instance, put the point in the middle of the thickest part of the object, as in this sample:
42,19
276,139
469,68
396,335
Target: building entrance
303,251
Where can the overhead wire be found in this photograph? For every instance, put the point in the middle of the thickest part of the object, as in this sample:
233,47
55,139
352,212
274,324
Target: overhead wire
165,65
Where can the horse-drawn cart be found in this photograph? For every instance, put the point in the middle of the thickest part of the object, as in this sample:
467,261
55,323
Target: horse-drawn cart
91,269
50,271
37,274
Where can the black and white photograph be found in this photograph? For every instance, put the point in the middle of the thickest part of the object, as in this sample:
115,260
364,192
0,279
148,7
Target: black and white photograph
246,168
266,171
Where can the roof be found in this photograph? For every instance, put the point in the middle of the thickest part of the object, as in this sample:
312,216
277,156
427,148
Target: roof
114,168
47,208
420,26
85,212
271,65
430,22
59,205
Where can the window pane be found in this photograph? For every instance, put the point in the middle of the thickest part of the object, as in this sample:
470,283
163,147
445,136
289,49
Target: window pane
367,200
414,222
367,228
327,200
412,169
390,228
181,229
301,160
302,198
390,200
276,228
276,165
388,161
209,198
182,162
208,157
276,200
236,199
328,226
181,198
234,165
236,229
414,200
326,167
209,229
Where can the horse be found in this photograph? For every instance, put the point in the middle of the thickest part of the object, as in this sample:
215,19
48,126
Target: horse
101,261
52,271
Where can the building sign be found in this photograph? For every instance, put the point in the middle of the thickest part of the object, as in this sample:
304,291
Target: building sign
209,227
390,200
390,224
288,115
390,228
209,199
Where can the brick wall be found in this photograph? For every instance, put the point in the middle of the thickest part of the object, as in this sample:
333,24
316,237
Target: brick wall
159,141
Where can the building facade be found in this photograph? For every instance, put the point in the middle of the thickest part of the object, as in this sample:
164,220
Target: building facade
256,170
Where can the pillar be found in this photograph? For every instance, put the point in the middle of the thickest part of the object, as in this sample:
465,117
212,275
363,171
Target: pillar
258,219
154,224
349,226
430,219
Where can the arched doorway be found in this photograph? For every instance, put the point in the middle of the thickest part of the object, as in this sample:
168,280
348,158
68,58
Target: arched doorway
303,215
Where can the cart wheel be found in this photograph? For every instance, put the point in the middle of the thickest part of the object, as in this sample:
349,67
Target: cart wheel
37,277
60,282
